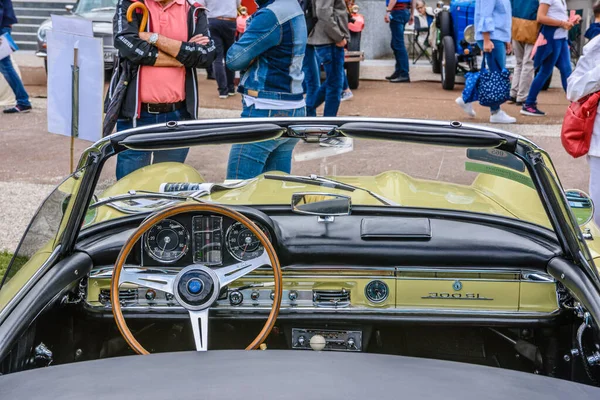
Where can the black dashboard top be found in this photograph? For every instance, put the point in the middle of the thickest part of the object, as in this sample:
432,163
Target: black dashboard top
287,374
303,239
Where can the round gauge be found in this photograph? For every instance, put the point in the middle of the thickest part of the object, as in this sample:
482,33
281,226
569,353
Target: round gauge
243,244
377,291
167,241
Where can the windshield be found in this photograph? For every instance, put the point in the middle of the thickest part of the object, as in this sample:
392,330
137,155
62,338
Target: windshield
371,172
40,239
84,6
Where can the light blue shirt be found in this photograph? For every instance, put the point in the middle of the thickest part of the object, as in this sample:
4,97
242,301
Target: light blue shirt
495,17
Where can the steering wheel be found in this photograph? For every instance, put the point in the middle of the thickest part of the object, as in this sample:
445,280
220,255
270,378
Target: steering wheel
197,286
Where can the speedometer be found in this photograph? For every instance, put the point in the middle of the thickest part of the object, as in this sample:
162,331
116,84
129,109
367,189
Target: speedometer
167,241
242,243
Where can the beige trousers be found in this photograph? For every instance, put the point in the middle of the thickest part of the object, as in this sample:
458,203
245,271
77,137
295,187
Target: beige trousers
523,75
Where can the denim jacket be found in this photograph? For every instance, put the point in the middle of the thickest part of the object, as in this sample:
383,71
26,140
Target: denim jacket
271,51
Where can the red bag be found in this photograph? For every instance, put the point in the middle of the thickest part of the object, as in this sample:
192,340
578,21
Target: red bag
578,125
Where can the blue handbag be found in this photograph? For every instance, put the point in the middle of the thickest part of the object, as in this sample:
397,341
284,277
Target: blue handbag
493,87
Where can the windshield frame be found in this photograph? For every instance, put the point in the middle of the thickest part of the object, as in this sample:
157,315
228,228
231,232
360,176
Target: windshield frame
200,132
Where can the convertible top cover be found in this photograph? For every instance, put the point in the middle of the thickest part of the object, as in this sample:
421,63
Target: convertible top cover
283,375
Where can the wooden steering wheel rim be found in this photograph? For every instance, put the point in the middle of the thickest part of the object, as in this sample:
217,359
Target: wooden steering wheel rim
184,208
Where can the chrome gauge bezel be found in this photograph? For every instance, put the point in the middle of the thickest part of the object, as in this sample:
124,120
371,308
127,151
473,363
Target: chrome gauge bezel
157,258
387,291
227,246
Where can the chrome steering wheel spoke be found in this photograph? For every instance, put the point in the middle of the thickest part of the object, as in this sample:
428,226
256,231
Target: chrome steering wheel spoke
199,320
233,272
162,282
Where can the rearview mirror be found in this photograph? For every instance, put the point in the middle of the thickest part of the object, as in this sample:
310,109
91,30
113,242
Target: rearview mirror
322,204
581,205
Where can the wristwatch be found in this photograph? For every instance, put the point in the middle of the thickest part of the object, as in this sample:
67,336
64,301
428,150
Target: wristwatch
153,38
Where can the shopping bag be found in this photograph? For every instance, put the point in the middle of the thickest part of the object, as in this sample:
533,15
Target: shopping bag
493,88
469,93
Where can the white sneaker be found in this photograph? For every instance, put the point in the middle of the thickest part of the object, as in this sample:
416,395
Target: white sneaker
467,107
502,118
347,95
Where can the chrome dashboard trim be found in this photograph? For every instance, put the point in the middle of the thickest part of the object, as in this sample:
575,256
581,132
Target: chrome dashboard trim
226,310
30,283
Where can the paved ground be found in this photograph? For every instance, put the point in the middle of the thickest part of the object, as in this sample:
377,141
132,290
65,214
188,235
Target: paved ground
33,161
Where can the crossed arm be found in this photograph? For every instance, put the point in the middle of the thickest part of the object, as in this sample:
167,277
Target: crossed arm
169,48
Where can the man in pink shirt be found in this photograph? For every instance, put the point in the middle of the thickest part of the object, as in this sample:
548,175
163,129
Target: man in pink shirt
165,57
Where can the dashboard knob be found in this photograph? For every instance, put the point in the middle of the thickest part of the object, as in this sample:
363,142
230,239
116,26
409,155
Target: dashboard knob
317,343
236,298
150,295
272,295
169,297
301,341
350,343
293,295
255,295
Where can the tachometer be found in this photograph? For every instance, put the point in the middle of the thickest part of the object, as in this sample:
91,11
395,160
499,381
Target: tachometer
167,241
242,244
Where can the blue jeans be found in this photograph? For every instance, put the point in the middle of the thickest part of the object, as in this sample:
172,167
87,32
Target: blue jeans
560,57
496,61
330,92
132,160
398,21
11,76
312,79
249,160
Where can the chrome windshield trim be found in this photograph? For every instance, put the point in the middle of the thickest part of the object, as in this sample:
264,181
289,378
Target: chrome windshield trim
29,284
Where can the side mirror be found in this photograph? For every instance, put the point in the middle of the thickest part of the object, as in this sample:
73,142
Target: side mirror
321,204
69,8
581,205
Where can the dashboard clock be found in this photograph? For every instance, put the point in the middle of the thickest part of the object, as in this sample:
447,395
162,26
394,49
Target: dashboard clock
377,291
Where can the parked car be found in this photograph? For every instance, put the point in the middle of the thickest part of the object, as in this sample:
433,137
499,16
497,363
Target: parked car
474,257
101,13
455,49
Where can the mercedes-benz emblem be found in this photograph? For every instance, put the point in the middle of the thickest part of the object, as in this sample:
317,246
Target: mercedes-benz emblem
457,285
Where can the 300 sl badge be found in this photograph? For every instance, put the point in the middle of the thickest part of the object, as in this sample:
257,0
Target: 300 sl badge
457,286
455,296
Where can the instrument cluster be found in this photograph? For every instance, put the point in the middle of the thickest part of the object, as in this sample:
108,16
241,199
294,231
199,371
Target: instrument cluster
211,240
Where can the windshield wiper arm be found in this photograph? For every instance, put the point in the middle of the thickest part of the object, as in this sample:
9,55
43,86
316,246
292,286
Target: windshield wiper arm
311,181
326,182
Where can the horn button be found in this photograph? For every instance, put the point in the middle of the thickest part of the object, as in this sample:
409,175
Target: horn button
195,288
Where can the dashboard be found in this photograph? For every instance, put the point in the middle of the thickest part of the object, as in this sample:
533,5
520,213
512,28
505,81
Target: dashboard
342,270
211,240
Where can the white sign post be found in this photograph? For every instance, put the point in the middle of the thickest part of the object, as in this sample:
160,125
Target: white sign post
75,80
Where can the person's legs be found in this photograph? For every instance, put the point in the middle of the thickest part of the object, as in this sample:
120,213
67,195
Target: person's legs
519,51
527,73
324,55
176,155
131,160
332,57
346,85
398,20
540,79
248,160
15,83
563,63
280,158
218,65
312,81
228,36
